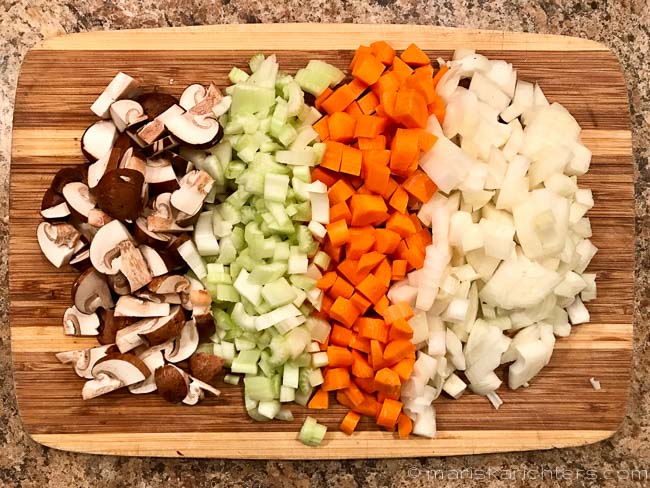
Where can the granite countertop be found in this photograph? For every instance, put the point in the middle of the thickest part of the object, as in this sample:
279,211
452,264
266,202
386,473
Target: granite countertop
623,25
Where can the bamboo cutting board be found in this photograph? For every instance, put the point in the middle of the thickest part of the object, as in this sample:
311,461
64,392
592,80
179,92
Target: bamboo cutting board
61,77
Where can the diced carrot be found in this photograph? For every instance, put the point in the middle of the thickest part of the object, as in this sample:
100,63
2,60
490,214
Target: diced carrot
404,368
339,357
410,108
400,329
360,344
366,143
368,69
369,407
372,328
404,426
371,288
384,273
341,127
368,261
426,140
350,421
326,305
399,310
443,69
348,268
340,336
388,82
340,211
339,100
361,241
353,110
383,51
358,87
370,126
400,223
354,394
332,157
420,186
361,51
336,379
424,72
386,241
424,86
399,269
320,400
333,251
382,305
322,128
387,382
322,97
360,302
344,312
341,288
338,232
389,413
397,350
326,282
376,355
388,100
399,200
351,161
342,398
368,103
418,225
404,149
368,210
340,192
414,56
319,173
390,189
360,366
377,177
374,158
401,69
367,385
363,190
437,108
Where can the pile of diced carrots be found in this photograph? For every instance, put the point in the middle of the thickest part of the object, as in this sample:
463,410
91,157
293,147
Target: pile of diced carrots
374,133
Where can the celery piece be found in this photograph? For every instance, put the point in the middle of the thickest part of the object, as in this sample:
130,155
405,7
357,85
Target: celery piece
304,384
269,409
234,169
237,75
239,197
231,379
305,136
317,76
279,351
256,61
237,238
204,237
226,293
319,151
311,432
303,398
298,262
302,361
278,293
248,98
287,394
242,344
281,251
303,173
241,318
214,276
246,261
303,282
315,375
303,212
246,362
227,252
276,382
306,242
322,260
290,375
266,74
275,316
275,187
295,98
259,388
222,319
266,367
247,288
301,296
266,273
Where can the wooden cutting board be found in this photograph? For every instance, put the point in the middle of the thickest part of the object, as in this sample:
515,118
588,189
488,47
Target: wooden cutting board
61,77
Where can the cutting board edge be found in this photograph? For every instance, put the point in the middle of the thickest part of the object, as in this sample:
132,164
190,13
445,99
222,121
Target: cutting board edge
287,447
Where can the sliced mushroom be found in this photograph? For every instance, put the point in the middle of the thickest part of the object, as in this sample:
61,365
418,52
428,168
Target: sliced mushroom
166,328
183,346
160,175
98,218
118,283
69,174
115,371
144,235
169,284
110,325
126,113
86,230
129,337
129,306
149,133
206,367
180,164
162,218
104,252
58,211
205,325
81,260
133,265
85,359
155,262
171,298
99,168
155,103
58,242
76,323
204,105
79,199
121,86
197,391
154,359
173,384
119,193
195,185
170,255
186,221
199,130
98,139
90,292
159,146
192,95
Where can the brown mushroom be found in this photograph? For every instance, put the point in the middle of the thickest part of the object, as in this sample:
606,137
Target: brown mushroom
130,306
153,358
114,371
205,325
53,206
81,260
206,367
160,175
169,284
162,218
170,255
121,86
98,218
104,247
85,359
157,240
90,292
76,323
129,337
98,139
79,199
159,146
155,262
133,158
118,283
155,103
172,383
58,242
165,328
197,391
183,346
126,113
195,185
69,174
110,325
133,265
201,130
119,193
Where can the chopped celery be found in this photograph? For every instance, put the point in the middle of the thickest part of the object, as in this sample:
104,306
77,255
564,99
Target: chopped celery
287,394
246,362
259,388
231,379
278,293
269,409
322,260
266,273
317,76
290,375
281,251
256,61
302,361
204,237
226,293
303,398
311,432
275,187
279,351
298,261
237,75
297,157
303,282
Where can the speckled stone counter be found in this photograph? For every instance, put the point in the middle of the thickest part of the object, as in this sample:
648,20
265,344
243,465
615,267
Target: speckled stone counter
623,460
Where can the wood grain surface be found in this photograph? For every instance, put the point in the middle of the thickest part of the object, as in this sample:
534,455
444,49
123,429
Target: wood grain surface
61,77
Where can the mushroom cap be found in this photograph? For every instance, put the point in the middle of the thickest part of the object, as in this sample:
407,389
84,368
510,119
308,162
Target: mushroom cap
126,113
205,367
154,359
166,327
81,260
118,283
129,337
148,133
76,323
159,146
114,371
79,199
192,95
205,325
55,212
110,325
172,383
119,193
195,185
130,306
90,292
51,199
169,284
184,345
103,248
205,104
66,175
58,242
154,261
154,239
197,130
98,218
133,158
85,359
155,103
98,139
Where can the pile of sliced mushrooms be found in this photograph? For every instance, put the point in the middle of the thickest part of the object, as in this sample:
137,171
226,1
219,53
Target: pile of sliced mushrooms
124,220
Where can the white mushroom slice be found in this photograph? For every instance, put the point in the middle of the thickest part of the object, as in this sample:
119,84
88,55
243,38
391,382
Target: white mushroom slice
79,198
115,371
223,106
170,113
59,211
97,170
130,160
154,359
143,234
163,218
171,298
166,328
184,345
121,86
192,95
58,242
129,337
133,265
85,359
98,218
104,252
90,292
150,132
126,113
206,103
169,284
155,262
129,306
99,138
76,323
159,173
194,129
196,391
81,260
195,185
